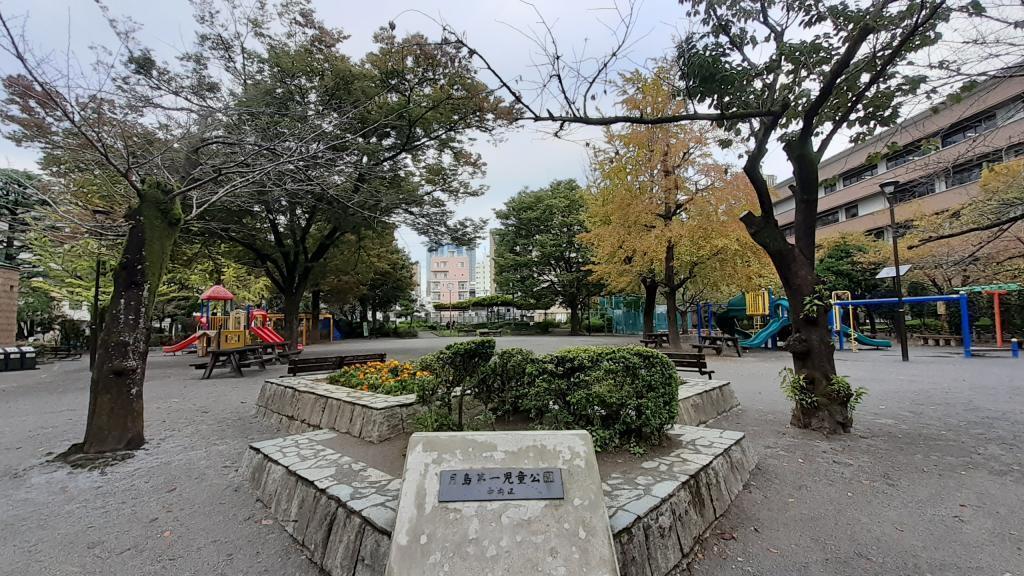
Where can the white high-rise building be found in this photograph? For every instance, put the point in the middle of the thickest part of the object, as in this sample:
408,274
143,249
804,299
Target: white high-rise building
483,276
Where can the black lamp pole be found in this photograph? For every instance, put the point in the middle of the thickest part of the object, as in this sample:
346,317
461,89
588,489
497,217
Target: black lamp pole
888,187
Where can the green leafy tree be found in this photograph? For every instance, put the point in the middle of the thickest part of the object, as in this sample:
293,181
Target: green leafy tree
404,113
538,253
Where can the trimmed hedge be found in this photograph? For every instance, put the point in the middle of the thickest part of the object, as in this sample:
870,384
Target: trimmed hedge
625,397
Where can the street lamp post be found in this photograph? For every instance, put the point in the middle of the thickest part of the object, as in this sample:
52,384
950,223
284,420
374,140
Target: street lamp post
888,187
99,215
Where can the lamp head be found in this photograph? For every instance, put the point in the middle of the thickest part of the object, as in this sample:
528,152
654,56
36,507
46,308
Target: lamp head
889,186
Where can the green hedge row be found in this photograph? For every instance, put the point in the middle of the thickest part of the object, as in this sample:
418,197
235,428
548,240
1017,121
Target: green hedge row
625,397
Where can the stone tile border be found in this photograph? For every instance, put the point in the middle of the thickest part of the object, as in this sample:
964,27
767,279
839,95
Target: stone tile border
303,404
343,512
701,401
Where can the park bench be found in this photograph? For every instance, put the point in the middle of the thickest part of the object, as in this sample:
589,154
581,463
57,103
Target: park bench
483,333
330,363
654,339
690,362
718,343
940,339
64,353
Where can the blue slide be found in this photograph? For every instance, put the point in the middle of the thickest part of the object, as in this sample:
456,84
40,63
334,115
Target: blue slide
862,339
765,334
773,327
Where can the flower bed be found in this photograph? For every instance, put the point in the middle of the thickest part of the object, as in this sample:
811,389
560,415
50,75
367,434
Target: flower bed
392,378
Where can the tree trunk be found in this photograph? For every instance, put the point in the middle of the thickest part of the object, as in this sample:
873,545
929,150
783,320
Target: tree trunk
292,304
811,341
672,308
314,313
650,302
115,418
574,318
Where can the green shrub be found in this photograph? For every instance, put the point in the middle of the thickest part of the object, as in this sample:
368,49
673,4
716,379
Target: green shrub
545,326
625,397
457,365
505,382
406,331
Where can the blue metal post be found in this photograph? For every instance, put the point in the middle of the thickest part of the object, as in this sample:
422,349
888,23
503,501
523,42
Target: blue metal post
711,322
965,325
700,321
837,323
1014,348
771,316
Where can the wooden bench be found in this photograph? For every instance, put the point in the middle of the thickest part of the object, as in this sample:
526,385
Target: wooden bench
330,363
64,353
690,362
940,339
488,333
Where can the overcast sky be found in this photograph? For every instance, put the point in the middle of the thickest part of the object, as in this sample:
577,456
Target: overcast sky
526,157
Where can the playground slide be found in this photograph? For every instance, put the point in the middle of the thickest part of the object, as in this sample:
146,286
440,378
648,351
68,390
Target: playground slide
862,339
191,340
267,334
765,334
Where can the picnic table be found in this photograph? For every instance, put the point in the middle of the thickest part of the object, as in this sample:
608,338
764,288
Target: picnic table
718,343
235,359
654,339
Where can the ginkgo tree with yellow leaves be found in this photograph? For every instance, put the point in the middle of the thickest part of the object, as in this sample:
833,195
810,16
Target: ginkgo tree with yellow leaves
663,213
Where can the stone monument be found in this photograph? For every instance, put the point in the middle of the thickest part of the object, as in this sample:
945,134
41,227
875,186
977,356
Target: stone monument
502,503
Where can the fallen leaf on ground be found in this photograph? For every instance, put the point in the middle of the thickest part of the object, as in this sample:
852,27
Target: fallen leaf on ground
167,534
773,550
726,536
266,522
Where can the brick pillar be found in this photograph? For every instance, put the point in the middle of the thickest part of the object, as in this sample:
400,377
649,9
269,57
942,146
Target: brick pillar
8,304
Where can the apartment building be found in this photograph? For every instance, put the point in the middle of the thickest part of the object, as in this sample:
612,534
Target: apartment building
483,276
937,156
450,273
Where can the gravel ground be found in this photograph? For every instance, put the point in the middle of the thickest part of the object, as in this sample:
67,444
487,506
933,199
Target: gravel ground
931,482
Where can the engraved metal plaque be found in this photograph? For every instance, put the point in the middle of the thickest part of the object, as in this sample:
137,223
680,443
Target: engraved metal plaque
485,484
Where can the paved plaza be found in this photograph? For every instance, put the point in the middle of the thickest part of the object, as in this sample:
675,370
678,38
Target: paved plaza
930,482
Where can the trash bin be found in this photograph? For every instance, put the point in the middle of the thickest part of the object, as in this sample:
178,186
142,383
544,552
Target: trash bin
12,358
28,357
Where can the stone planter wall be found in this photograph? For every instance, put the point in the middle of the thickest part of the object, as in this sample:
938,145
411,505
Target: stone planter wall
701,401
302,404
343,512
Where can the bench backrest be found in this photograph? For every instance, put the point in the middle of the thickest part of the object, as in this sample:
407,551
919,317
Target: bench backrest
331,363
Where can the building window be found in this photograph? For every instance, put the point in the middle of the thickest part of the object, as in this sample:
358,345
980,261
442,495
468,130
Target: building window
462,264
912,190
907,154
851,212
971,172
1015,151
968,129
829,186
877,233
860,174
827,218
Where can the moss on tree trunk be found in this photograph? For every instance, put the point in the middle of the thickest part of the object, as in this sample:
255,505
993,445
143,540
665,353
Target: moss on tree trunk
115,419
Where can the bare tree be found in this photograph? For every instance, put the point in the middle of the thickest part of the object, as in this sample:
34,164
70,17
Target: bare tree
798,75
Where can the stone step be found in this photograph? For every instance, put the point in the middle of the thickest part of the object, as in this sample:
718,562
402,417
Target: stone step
701,401
343,511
